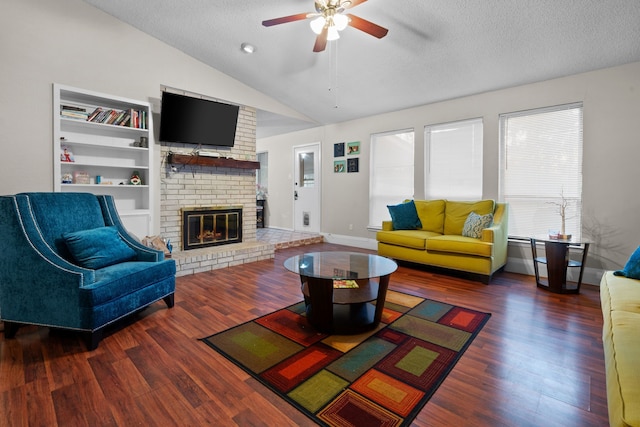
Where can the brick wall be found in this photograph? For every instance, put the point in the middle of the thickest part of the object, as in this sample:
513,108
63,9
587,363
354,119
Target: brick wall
203,186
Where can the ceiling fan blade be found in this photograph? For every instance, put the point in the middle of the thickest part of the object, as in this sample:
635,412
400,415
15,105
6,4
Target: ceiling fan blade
367,26
321,40
285,19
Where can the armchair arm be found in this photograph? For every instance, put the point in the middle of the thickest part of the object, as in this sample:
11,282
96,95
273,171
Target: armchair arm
387,226
38,286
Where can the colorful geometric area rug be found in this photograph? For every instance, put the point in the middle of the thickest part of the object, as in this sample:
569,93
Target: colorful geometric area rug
380,378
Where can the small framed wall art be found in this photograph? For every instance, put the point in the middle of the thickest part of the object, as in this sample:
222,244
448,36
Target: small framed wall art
353,148
339,166
338,149
353,165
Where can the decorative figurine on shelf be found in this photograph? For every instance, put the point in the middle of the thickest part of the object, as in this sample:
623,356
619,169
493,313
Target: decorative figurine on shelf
135,178
66,155
67,178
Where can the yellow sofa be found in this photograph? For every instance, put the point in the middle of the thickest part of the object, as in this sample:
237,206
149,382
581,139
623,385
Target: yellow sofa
620,300
440,243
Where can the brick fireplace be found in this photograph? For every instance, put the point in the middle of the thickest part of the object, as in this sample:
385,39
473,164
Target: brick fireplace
194,186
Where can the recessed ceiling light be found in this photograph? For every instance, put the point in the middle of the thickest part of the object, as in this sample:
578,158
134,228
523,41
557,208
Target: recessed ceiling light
247,48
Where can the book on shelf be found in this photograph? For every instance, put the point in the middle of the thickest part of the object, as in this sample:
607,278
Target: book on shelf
73,112
73,108
94,114
344,284
128,117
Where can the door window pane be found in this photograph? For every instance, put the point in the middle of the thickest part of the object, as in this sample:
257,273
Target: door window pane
307,173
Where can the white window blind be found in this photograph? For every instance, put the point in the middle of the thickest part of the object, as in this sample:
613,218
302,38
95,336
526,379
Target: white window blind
391,173
540,164
453,159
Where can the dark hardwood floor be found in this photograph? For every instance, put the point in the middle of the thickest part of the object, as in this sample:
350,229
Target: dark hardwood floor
537,362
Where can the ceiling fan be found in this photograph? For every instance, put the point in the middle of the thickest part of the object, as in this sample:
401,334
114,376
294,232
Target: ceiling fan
329,18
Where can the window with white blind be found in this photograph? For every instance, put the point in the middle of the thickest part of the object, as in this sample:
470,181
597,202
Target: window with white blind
391,173
453,160
541,169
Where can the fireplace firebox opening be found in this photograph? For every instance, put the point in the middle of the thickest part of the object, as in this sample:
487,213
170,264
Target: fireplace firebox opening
211,226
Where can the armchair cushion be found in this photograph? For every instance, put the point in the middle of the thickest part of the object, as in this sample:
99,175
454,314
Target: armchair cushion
124,278
98,247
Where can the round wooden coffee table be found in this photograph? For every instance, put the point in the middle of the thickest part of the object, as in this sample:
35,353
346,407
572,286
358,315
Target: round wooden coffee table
343,310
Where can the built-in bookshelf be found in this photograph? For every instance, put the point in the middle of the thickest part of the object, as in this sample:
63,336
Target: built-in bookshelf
103,144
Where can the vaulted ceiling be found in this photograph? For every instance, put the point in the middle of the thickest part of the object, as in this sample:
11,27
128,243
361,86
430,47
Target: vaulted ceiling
435,49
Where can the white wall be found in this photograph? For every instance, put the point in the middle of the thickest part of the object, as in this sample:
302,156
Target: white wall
73,43
611,100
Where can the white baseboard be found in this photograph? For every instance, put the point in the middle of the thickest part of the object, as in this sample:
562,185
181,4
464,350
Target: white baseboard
356,242
590,276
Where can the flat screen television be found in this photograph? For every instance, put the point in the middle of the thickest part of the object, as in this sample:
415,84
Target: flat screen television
197,121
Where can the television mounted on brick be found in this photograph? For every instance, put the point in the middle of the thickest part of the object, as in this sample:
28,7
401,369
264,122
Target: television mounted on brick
190,120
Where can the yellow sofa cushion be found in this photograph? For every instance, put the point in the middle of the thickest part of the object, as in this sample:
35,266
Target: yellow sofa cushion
620,299
627,353
414,239
456,214
431,214
459,245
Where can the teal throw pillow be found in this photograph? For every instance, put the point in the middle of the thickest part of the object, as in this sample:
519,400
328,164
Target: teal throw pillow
404,216
98,247
474,224
632,268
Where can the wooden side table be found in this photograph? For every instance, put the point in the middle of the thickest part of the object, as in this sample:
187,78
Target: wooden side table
558,261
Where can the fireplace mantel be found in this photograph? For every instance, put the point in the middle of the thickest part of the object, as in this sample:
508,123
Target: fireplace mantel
185,159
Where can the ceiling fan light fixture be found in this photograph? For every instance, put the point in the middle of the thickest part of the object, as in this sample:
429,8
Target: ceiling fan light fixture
332,33
318,24
340,21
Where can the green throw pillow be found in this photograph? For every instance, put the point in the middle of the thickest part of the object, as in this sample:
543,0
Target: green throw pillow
474,224
632,268
404,216
98,247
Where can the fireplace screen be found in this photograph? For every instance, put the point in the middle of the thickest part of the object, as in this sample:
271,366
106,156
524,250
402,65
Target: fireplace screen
202,227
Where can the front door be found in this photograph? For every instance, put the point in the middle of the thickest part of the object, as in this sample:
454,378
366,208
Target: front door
306,188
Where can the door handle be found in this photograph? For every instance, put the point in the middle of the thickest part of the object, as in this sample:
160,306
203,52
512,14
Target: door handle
295,195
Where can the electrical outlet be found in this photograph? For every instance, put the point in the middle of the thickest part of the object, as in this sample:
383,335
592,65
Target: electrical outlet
350,226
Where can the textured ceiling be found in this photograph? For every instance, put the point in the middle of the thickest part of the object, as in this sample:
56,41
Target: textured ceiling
435,49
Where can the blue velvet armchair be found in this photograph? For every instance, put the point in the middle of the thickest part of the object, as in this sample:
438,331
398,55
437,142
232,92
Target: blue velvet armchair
68,262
